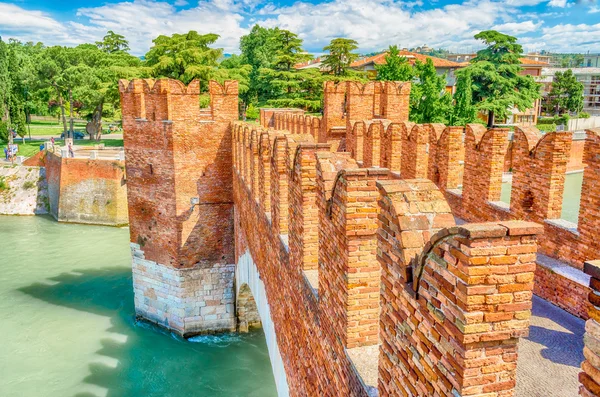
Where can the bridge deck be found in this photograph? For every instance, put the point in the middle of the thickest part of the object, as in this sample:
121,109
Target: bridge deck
550,358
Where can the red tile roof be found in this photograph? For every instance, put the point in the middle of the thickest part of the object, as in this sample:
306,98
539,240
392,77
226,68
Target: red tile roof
527,61
379,59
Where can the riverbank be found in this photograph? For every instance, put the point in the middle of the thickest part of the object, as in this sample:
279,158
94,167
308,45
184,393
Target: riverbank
23,190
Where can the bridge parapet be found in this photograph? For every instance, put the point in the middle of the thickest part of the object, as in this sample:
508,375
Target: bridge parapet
353,232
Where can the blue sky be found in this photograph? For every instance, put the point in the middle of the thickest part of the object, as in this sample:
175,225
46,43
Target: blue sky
554,25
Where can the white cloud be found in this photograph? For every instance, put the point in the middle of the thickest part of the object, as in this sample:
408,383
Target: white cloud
375,24
26,25
517,28
180,3
594,10
558,3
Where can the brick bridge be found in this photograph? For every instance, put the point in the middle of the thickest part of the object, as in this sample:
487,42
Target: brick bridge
338,234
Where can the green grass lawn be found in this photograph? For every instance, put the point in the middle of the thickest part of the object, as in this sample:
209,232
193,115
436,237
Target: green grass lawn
29,148
50,128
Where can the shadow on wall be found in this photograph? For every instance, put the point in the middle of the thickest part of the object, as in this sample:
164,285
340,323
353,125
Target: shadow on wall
151,361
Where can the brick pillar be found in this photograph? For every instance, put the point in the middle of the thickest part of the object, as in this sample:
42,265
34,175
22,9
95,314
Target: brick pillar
359,103
484,164
434,133
279,186
316,127
590,376
264,172
254,162
414,153
355,140
589,213
539,165
349,275
304,217
395,101
372,145
448,157
470,297
180,203
391,147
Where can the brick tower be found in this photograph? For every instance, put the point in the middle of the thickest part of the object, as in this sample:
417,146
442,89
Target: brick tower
179,178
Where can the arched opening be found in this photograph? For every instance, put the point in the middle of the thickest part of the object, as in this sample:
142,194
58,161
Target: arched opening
247,312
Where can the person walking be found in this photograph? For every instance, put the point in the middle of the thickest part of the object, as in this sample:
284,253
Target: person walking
52,142
71,153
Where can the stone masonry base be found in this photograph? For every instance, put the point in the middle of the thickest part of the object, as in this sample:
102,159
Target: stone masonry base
187,301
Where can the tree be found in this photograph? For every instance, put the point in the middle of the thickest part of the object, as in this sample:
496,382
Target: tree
185,57
464,111
498,84
12,91
257,48
395,68
234,68
566,93
281,84
430,103
113,43
340,55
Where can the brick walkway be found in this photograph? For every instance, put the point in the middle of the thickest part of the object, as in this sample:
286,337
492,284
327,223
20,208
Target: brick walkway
550,357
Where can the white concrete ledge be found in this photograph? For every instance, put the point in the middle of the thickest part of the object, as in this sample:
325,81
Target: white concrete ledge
563,224
563,269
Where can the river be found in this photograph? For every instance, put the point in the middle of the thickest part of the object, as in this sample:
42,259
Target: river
68,329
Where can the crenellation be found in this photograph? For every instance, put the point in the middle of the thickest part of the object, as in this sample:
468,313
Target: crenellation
350,222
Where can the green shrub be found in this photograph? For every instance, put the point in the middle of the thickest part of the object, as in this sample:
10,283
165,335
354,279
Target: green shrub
546,127
3,184
28,185
204,101
252,113
583,115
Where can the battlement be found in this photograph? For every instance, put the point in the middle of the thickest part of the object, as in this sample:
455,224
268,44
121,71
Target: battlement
350,222
353,230
171,100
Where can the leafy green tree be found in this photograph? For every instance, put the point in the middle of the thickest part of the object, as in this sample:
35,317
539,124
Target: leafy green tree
464,111
258,48
5,89
12,91
113,43
282,85
185,57
234,68
430,103
340,56
395,68
566,93
498,84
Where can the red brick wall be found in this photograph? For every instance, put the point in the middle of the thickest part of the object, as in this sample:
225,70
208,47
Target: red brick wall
540,163
590,376
175,153
415,156
87,191
471,293
482,180
328,194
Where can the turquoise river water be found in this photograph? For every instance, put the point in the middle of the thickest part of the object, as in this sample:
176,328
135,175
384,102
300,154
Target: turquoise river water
67,325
